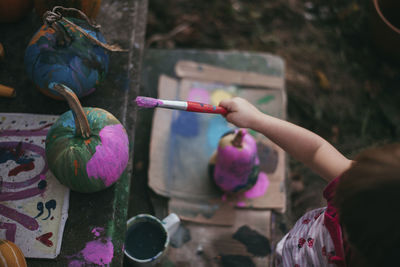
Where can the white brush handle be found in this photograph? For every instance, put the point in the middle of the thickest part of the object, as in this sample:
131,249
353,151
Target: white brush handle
173,104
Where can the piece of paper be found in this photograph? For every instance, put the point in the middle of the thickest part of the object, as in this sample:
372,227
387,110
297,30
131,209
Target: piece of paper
33,204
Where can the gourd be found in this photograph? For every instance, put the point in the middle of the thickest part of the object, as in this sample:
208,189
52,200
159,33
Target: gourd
236,164
11,254
90,7
87,149
13,10
67,50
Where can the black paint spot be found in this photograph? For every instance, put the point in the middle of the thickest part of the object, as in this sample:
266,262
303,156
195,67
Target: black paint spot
236,261
268,158
42,184
181,236
255,243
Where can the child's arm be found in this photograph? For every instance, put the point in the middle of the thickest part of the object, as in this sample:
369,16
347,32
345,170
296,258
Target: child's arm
302,144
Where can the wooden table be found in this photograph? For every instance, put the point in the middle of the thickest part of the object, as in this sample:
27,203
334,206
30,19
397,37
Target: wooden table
123,23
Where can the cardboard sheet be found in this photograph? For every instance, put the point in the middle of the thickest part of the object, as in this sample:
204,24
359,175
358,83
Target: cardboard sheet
182,144
33,204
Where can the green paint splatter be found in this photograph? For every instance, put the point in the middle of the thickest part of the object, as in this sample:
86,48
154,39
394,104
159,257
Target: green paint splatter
265,99
252,132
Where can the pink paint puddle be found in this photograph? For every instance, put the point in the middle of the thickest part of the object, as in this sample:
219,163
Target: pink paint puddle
259,188
97,252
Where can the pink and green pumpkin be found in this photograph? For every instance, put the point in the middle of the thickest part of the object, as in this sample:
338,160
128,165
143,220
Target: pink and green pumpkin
86,156
236,163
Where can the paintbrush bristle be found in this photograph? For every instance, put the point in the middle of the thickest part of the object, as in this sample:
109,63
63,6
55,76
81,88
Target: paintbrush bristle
147,102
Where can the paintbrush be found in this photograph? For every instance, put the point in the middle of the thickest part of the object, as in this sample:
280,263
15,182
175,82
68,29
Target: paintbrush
148,102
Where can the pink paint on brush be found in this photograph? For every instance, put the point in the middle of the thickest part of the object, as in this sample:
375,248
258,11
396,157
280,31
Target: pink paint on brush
147,102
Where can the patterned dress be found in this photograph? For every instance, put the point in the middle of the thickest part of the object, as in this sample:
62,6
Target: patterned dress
316,238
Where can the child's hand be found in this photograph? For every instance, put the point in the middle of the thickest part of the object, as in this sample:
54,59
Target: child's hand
240,112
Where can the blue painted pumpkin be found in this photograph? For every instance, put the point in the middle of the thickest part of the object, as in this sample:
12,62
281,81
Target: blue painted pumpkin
77,63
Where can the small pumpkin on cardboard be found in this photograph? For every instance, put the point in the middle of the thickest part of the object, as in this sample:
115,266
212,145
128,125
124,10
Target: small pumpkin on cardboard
235,165
11,254
87,149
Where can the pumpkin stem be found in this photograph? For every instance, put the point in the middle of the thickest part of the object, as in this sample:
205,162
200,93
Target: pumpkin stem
81,123
52,17
237,140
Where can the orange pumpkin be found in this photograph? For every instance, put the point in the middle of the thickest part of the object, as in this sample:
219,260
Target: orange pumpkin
13,10
11,255
90,7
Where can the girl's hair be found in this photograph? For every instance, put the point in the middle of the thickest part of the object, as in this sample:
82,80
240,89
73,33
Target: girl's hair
368,200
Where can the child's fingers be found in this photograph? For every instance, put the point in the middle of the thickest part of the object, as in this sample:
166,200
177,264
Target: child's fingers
224,103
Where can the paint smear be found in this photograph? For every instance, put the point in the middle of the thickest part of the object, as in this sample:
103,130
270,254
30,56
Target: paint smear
97,231
219,95
199,95
236,261
21,168
256,243
259,188
15,151
269,157
76,263
186,124
111,157
98,252
216,128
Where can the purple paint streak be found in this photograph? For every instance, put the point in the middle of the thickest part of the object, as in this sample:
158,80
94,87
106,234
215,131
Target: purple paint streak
76,263
32,132
20,194
147,102
234,166
24,220
11,228
111,157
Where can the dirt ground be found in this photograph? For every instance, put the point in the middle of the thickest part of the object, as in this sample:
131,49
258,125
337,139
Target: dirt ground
338,85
